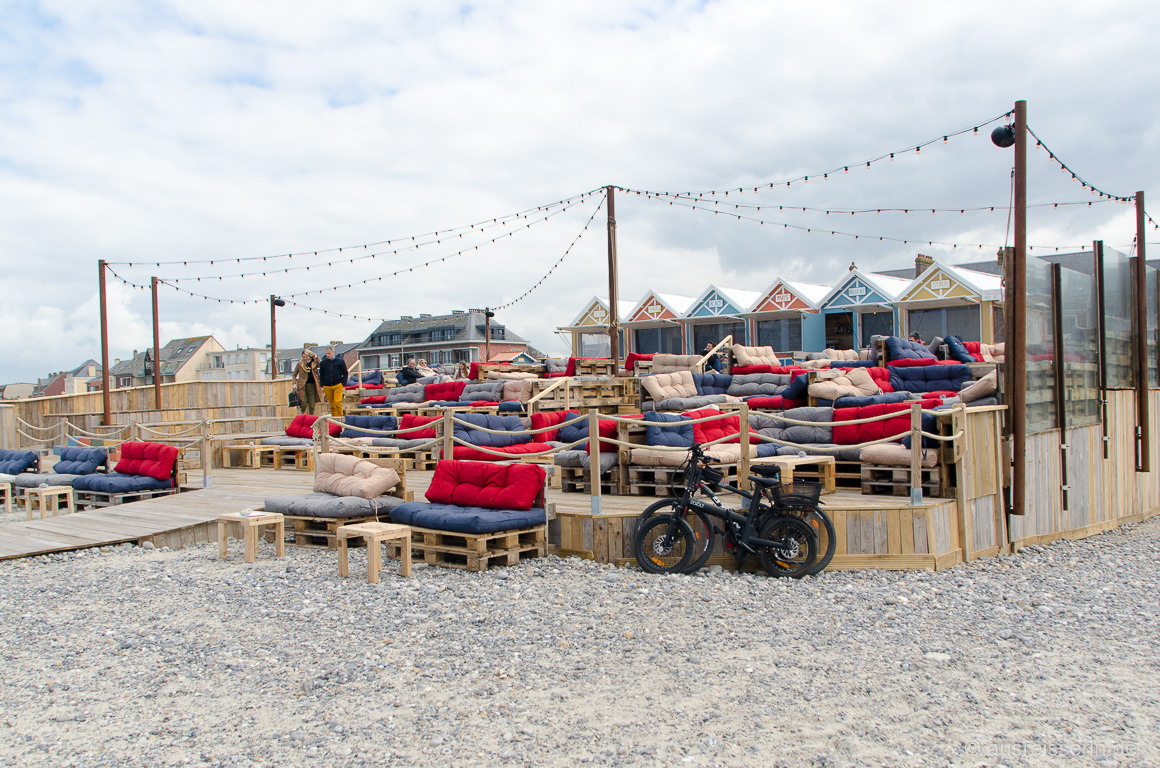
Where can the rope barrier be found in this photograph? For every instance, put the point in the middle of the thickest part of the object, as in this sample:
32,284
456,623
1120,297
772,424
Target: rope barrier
54,428
547,452
528,431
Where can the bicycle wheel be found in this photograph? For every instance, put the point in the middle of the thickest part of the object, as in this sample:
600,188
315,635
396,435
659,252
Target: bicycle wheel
704,532
823,528
664,544
798,550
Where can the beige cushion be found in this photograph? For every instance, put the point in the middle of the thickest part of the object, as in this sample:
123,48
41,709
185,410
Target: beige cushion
343,475
510,376
653,457
662,363
818,364
519,389
662,386
730,453
984,387
863,381
895,455
993,353
841,354
744,356
854,383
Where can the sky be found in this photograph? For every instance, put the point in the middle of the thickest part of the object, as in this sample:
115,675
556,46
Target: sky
158,134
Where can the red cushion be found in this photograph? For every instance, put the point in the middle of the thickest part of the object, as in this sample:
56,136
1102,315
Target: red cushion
549,419
373,400
484,404
444,390
147,459
881,377
411,420
774,402
630,361
907,362
303,426
471,453
570,370
974,347
364,386
738,370
714,430
487,485
851,434
473,372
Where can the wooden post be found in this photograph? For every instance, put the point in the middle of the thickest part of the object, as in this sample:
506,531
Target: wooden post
106,401
324,436
594,459
156,350
613,315
1017,328
916,454
448,450
1060,385
1143,430
743,463
274,342
487,316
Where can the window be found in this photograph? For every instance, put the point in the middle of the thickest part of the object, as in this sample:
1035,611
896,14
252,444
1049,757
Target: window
876,324
124,381
712,333
370,362
497,332
784,334
460,355
651,341
394,361
946,321
443,334
594,345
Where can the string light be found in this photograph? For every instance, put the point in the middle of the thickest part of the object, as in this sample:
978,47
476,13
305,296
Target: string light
1065,169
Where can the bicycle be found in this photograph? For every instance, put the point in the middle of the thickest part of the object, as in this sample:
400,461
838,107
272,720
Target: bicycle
669,543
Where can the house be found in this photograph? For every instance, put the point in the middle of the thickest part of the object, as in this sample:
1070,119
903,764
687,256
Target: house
180,361
439,339
16,391
69,382
237,365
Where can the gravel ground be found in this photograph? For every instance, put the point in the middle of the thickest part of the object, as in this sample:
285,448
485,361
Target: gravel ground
138,657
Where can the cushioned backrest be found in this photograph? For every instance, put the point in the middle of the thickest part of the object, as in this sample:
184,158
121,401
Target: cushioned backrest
411,393
798,386
444,390
904,349
749,384
662,386
811,433
491,391
930,378
677,437
373,400
78,460
556,364
549,419
343,475
486,484
411,420
712,383
13,462
841,354
147,459
356,426
509,424
850,434
715,430
662,363
302,425
957,349
745,356
570,433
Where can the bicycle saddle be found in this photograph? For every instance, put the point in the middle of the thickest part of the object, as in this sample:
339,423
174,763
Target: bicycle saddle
764,482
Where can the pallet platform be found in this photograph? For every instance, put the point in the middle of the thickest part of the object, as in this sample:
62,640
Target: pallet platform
660,481
92,499
269,456
576,480
474,552
895,481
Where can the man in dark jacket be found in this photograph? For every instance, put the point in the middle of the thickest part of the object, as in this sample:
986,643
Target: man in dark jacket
408,374
333,375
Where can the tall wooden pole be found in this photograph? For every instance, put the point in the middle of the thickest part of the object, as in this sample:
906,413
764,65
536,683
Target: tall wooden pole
613,315
1016,350
1143,432
273,341
156,348
106,401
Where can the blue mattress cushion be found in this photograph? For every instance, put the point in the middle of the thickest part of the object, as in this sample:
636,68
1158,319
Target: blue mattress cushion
115,482
929,378
853,363
674,437
78,460
958,350
511,405
374,377
356,425
798,388
509,424
904,349
857,402
712,383
13,462
449,517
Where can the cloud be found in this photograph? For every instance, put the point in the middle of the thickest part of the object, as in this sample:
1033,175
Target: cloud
198,130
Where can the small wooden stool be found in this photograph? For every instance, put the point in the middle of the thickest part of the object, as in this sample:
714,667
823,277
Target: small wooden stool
375,534
6,492
48,499
250,525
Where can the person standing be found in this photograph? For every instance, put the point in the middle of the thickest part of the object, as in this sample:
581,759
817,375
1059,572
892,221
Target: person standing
306,382
333,375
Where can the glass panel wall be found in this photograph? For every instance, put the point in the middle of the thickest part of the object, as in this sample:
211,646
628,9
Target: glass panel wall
784,334
1118,319
595,345
1040,348
1153,321
1081,377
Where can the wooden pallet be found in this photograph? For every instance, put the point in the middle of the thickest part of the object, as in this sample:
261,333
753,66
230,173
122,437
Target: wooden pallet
596,367
105,499
270,456
320,532
659,481
575,480
895,481
474,552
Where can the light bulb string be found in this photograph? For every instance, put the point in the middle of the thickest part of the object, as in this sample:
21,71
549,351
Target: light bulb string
1084,182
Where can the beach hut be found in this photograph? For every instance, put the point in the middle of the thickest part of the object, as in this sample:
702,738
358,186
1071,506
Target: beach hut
717,313
786,317
862,305
589,331
653,324
946,299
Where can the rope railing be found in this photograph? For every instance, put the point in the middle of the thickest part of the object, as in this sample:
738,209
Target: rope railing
196,428
21,422
529,431
550,450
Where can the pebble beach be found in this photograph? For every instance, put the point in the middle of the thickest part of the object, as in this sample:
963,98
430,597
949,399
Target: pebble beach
135,656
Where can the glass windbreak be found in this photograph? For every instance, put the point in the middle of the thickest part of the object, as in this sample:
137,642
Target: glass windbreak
784,334
876,324
595,345
1040,348
1150,278
947,321
651,341
1118,319
711,333
1081,372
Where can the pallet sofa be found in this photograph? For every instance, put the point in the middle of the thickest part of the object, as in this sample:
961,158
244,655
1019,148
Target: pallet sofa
477,514
292,449
347,489
73,461
368,380
13,464
447,394
144,471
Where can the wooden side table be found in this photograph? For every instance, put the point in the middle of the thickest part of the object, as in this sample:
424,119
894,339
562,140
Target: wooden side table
827,465
6,492
375,534
250,525
48,499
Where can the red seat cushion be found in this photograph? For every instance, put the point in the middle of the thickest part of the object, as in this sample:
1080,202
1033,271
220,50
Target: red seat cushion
738,370
471,453
444,390
411,420
772,402
487,485
630,361
715,430
473,372
303,426
852,434
373,400
549,419
364,386
154,460
908,362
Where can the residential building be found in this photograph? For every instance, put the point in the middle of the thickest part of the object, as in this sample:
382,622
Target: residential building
236,365
440,340
287,358
180,361
69,382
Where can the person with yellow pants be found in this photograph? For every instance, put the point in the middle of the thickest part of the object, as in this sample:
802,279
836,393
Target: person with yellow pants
333,375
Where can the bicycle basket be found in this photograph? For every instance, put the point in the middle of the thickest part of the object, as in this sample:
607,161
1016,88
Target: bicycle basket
796,492
711,476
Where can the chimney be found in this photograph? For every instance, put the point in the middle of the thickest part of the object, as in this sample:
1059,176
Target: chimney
406,317
921,262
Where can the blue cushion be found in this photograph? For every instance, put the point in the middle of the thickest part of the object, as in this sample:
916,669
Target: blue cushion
118,483
509,424
351,428
77,460
449,517
904,349
798,388
929,378
929,425
511,405
13,462
674,437
853,363
571,433
856,402
712,383
958,350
